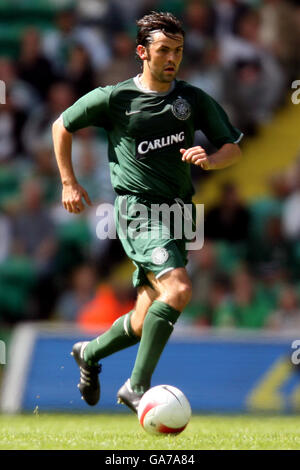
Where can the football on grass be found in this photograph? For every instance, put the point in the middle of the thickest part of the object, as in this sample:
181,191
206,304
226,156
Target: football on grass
164,410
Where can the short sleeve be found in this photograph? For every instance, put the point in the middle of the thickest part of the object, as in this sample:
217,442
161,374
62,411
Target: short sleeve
213,121
91,109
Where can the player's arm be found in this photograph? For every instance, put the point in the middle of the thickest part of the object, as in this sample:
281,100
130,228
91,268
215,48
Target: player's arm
72,194
213,121
226,156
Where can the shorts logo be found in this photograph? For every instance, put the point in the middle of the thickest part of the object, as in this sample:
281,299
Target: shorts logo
181,109
159,256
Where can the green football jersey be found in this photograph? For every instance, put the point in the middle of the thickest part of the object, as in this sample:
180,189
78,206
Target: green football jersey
146,131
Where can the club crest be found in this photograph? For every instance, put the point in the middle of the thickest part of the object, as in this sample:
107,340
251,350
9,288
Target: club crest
181,109
159,255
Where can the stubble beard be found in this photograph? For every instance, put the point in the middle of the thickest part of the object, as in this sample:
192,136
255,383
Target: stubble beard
162,77
159,76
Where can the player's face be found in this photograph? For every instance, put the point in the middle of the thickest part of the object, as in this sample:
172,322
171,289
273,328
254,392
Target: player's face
164,56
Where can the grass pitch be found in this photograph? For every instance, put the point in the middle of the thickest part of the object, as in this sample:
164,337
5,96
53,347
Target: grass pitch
120,432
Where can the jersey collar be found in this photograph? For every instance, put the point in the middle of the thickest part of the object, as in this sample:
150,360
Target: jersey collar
153,92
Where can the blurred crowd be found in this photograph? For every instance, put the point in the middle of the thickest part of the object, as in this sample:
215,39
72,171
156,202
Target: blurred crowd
52,265
247,274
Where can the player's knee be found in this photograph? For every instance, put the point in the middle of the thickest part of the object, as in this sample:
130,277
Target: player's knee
184,293
180,295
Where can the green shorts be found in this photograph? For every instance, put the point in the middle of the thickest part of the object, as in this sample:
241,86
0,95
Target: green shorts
151,236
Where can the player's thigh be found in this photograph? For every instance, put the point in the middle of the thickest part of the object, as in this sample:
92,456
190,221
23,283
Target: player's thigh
146,295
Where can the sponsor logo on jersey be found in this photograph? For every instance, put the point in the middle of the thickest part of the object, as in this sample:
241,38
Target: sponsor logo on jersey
149,145
159,255
181,109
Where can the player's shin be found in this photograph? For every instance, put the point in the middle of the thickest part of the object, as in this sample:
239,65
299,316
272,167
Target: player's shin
118,337
157,328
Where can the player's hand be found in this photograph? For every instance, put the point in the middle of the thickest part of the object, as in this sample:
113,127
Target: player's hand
195,155
72,197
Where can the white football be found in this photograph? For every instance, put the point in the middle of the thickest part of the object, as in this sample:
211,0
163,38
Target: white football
164,410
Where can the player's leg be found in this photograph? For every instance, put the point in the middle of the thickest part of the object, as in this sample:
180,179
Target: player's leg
124,332
146,296
154,250
174,292
174,288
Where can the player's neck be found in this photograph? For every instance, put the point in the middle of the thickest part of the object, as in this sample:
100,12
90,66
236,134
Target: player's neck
148,82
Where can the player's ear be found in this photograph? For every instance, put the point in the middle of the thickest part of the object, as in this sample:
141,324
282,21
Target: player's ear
141,52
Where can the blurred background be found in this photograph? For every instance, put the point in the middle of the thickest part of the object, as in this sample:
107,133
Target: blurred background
57,279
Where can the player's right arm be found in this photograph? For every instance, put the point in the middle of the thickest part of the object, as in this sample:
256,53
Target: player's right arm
91,109
72,193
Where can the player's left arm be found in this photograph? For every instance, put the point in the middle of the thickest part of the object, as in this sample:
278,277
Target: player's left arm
213,121
227,155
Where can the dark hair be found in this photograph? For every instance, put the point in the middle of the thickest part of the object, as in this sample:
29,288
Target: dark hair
165,22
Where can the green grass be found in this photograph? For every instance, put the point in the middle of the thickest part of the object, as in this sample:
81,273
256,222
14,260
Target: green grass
119,432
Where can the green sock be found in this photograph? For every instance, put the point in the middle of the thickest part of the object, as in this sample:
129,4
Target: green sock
157,328
119,336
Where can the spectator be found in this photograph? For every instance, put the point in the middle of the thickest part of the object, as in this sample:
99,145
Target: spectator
207,73
226,16
5,236
270,256
45,170
125,65
202,268
271,205
32,228
210,285
229,220
82,290
247,98
33,235
129,10
38,125
218,296
249,70
110,302
12,121
32,66
287,315
291,212
248,308
279,33
57,44
23,96
91,163
79,71
199,22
